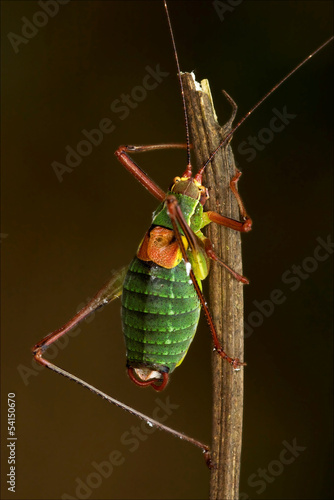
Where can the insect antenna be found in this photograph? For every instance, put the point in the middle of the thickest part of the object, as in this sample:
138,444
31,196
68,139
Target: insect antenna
188,171
198,176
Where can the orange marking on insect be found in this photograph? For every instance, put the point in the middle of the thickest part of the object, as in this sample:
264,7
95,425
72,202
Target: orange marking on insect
161,247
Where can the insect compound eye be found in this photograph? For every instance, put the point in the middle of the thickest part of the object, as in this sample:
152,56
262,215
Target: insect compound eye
176,180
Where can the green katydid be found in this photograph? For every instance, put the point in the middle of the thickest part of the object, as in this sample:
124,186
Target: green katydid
165,277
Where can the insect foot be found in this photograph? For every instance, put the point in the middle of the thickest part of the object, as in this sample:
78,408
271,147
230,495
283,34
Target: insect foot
208,460
247,226
235,363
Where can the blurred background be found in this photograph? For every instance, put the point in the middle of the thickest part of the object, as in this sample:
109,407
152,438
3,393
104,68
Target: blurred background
61,241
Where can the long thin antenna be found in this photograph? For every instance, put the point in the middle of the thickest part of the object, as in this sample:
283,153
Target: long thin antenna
188,171
227,138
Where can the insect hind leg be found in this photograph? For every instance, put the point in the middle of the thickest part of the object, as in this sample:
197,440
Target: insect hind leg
150,381
111,290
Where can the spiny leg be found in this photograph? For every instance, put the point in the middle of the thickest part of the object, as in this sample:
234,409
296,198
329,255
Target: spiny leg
137,172
244,227
127,408
177,217
210,253
110,291
246,224
234,189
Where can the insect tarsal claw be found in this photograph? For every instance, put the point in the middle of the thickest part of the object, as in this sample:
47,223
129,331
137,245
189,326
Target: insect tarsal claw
208,460
236,363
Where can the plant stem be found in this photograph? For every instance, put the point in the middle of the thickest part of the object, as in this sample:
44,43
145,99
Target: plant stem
226,294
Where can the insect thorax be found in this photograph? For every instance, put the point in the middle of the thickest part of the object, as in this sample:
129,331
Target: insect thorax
192,211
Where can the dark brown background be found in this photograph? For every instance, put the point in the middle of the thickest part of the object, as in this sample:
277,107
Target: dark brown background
65,238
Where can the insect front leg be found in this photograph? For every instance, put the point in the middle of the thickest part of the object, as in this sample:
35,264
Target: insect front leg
137,172
243,226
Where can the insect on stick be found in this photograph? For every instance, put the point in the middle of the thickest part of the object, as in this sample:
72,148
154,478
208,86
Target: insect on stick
155,376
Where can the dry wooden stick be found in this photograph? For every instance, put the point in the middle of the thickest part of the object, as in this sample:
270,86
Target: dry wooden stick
226,294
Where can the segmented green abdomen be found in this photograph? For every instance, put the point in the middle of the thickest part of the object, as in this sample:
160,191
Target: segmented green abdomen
160,313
